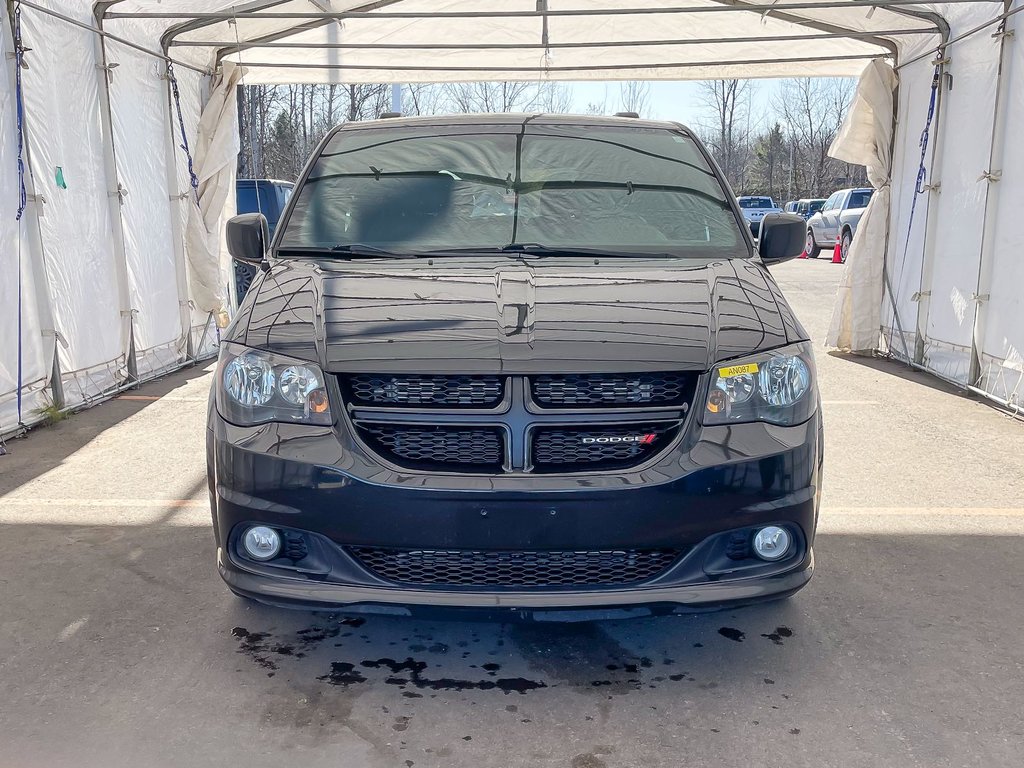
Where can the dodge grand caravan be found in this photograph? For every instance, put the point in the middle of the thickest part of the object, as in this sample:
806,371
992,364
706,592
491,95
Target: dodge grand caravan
518,362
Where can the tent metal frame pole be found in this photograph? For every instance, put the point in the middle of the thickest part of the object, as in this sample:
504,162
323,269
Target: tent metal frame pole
234,46
997,143
33,211
108,36
582,68
518,46
115,197
760,7
948,41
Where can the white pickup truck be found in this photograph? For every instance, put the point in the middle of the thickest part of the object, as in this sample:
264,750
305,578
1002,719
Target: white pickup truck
755,208
839,216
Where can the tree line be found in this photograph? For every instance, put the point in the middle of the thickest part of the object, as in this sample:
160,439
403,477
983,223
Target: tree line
781,151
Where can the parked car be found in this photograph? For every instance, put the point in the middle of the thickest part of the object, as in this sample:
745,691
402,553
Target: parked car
754,210
807,207
838,217
267,196
515,363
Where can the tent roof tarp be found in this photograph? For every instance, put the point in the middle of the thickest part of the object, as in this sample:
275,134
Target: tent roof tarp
282,41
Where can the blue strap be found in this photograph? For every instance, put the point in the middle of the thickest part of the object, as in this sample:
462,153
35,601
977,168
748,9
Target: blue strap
181,127
19,53
922,171
922,174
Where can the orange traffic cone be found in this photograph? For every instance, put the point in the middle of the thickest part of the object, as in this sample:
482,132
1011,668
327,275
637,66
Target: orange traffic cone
837,253
803,255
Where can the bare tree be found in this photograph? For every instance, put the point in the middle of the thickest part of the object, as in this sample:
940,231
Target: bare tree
553,97
812,111
422,99
635,96
728,101
503,96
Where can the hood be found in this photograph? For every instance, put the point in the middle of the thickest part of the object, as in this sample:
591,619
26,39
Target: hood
484,314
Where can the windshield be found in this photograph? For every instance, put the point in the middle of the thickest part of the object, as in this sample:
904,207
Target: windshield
756,202
428,188
815,205
859,198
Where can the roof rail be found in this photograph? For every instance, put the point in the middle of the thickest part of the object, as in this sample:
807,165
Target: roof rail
389,115
627,114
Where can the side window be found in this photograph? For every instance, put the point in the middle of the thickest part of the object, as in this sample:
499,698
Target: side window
831,203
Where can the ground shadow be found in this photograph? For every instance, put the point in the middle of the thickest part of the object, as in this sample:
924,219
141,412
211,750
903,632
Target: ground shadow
45,447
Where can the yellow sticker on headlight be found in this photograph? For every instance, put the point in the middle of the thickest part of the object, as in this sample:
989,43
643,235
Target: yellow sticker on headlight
737,370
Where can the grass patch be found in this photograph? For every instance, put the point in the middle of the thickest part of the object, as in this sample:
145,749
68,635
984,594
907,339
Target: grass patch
50,414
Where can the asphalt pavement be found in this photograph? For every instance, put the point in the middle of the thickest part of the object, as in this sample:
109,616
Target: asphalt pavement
119,645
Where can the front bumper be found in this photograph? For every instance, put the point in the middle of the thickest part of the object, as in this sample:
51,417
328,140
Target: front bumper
313,480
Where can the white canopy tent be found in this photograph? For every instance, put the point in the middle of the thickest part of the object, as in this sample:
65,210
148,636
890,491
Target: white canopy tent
113,268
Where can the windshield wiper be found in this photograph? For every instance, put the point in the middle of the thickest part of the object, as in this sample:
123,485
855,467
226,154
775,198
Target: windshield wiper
540,251
351,250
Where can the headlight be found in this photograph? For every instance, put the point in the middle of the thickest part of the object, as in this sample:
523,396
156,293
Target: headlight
254,387
775,386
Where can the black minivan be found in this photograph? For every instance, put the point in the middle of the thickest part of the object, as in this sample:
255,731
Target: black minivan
525,362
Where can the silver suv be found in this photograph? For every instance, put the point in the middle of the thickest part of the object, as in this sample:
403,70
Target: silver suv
838,217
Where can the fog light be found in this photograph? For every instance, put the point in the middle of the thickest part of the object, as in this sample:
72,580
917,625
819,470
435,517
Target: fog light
261,543
772,542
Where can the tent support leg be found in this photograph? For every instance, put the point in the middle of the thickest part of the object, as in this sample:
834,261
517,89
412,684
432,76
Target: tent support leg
991,176
116,194
927,252
202,339
56,383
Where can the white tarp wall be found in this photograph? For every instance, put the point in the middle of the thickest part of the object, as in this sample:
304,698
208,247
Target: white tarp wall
956,270
103,245
23,343
101,261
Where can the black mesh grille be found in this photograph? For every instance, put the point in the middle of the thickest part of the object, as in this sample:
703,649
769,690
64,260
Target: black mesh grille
596,447
463,449
431,391
515,569
611,389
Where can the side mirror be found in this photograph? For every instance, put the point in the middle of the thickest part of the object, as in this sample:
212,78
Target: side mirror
783,236
248,236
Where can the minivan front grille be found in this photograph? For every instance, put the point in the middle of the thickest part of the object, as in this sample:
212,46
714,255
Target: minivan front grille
495,424
440,448
596,447
611,389
459,391
515,569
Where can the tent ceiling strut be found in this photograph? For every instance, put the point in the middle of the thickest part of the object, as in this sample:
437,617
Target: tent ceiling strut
585,68
519,46
412,15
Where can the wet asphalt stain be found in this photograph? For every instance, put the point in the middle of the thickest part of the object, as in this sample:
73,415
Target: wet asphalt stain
583,657
410,673
588,760
343,673
255,646
778,634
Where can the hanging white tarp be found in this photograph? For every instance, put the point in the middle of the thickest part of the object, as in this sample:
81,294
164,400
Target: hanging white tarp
216,155
865,139
133,268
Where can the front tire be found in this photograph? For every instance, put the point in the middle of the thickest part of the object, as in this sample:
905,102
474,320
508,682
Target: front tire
844,245
811,248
